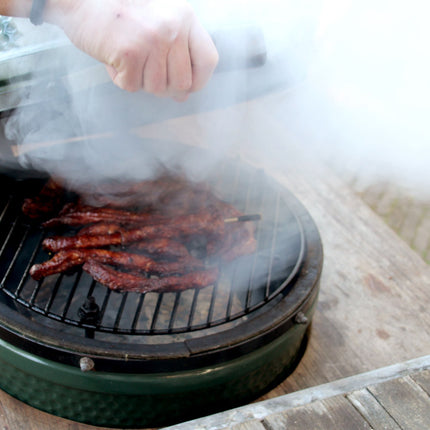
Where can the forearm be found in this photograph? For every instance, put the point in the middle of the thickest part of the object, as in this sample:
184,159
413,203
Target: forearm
53,10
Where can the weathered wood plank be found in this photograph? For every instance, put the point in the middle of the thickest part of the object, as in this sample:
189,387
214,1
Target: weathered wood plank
259,410
334,413
372,411
405,401
278,405
423,380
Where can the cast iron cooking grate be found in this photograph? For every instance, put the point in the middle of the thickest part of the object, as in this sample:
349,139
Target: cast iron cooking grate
75,299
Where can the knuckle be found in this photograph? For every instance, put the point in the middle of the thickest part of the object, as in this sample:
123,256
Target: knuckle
126,82
163,35
151,36
126,62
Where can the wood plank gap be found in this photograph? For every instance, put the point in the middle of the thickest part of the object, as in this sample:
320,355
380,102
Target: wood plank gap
423,380
371,410
405,401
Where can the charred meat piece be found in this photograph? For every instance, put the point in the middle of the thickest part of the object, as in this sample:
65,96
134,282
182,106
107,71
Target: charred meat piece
206,223
239,238
121,281
63,261
100,228
239,241
148,193
162,248
90,215
46,202
58,243
167,195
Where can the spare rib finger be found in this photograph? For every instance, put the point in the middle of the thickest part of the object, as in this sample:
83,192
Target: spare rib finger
120,281
100,228
162,248
204,223
83,217
59,263
46,202
67,259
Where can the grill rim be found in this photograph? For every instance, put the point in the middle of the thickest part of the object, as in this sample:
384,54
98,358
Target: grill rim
187,354
90,328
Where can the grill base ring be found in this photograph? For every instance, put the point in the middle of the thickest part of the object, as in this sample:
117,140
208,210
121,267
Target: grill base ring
149,400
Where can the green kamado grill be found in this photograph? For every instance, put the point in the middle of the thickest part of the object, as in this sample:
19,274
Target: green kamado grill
76,349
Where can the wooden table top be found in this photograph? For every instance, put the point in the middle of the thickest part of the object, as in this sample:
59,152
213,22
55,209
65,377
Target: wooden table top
374,299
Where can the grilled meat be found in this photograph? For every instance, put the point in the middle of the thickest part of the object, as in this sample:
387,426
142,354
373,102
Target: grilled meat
205,223
162,248
46,202
148,228
63,261
88,215
58,243
100,228
121,281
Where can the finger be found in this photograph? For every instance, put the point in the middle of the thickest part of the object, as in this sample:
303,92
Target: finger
111,71
204,56
154,76
128,75
179,71
181,97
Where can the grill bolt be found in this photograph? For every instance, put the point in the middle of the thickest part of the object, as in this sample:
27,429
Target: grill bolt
86,364
300,318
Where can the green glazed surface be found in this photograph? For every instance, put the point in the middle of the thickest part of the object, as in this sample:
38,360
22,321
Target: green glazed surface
147,400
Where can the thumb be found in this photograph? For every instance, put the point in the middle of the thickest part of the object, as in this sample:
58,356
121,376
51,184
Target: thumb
112,72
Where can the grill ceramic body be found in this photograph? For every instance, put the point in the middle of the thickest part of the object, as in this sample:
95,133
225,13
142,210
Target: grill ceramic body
147,399
137,378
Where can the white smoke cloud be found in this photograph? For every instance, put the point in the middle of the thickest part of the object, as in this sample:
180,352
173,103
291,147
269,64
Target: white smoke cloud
359,95
370,83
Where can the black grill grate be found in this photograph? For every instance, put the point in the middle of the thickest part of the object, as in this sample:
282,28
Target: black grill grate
244,285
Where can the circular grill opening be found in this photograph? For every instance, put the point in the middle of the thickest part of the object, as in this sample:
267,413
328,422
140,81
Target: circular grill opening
243,286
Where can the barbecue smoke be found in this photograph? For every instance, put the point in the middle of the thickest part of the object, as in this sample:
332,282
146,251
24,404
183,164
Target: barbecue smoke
350,84
344,83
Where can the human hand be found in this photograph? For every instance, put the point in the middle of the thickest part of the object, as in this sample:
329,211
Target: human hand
155,45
